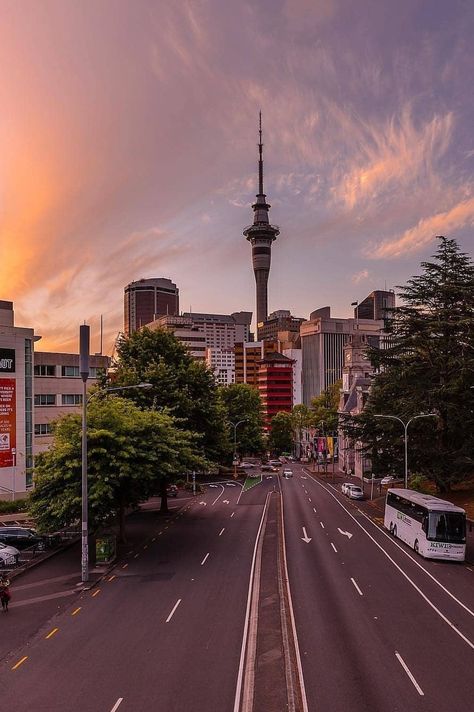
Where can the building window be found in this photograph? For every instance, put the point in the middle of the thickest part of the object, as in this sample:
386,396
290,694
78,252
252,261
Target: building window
43,428
70,371
44,370
45,399
72,398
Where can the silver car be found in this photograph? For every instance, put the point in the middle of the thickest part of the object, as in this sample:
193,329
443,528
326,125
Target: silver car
355,492
345,486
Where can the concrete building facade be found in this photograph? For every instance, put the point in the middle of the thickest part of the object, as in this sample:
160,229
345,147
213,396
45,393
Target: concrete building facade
16,405
58,390
185,331
247,357
148,299
322,342
222,364
222,331
279,321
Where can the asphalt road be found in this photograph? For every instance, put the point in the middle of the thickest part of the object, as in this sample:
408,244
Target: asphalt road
163,632
379,628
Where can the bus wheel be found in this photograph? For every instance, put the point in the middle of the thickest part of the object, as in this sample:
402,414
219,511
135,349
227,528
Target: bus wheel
416,547
391,528
395,531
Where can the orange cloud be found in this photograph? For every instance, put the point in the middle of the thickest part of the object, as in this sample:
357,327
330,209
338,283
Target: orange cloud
415,238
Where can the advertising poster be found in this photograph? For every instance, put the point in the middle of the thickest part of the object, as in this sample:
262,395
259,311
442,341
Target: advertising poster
7,421
330,442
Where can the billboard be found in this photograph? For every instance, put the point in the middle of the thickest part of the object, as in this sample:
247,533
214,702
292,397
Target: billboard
7,361
7,421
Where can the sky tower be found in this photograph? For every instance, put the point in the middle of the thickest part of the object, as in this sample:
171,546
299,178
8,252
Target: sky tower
261,235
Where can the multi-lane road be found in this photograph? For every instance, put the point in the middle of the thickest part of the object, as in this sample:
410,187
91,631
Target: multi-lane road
377,627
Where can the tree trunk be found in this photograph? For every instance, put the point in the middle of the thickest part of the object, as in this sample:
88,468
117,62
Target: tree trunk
164,496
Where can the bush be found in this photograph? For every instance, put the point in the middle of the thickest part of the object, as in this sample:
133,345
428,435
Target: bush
419,483
189,486
180,483
19,505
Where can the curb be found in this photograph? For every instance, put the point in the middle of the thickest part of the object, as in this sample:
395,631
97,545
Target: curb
15,573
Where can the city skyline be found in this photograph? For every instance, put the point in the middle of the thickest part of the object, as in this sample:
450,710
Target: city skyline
130,152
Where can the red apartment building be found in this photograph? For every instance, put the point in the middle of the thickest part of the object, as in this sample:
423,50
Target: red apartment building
275,385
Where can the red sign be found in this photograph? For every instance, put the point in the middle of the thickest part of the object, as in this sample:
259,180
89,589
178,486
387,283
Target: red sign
7,421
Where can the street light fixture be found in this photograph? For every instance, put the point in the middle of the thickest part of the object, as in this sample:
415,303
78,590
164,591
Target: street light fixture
235,426
405,426
85,503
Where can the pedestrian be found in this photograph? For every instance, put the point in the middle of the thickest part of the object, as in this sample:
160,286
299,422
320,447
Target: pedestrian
5,592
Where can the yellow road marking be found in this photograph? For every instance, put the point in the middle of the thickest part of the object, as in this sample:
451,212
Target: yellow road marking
51,633
20,662
111,578
76,611
96,593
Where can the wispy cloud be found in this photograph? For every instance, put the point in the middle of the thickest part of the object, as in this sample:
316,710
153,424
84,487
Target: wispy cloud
412,240
360,276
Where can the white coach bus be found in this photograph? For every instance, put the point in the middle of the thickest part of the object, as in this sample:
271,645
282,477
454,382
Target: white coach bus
434,528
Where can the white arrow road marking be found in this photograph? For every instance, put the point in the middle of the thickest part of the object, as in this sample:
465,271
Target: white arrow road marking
203,503
231,484
305,537
225,501
347,534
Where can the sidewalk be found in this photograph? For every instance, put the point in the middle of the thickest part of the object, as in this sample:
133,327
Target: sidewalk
51,586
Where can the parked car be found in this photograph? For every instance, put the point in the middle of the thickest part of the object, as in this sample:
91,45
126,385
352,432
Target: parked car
247,465
388,480
355,492
172,491
287,473
9,550
21,538
275,463
345,486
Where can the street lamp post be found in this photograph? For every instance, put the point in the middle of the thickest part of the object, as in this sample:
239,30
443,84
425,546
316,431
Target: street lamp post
405,427
235,426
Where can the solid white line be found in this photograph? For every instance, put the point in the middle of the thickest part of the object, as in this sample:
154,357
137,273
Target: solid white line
238,689
204,560
222,531
334,547
117,704
357,587
405,667
174,608
292,618
322,524
223,490
410,581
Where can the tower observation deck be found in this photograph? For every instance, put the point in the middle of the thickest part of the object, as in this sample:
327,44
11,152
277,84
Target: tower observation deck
261,234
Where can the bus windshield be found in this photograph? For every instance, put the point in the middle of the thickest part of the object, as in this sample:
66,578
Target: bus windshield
447,526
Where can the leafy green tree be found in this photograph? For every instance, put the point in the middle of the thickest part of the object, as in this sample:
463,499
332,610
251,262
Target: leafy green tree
182,386
324,407
131,454
242,402
281,435
427,366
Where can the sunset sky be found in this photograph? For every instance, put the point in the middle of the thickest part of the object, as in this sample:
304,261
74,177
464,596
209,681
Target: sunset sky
128,132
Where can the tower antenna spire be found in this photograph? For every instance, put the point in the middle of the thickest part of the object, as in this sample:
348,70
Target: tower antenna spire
260,155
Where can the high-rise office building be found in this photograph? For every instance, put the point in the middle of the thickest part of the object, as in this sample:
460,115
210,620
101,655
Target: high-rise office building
185,331
376,305
322,343
222,330
146,300
278,321
275,385
261,234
